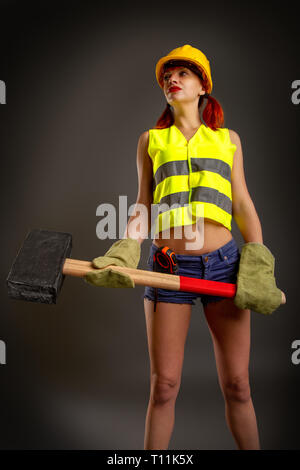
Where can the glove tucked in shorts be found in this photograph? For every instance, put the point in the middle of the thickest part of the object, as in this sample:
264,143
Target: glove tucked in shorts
219,265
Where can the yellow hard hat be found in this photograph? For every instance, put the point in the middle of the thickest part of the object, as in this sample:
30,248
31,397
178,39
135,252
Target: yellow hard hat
190,54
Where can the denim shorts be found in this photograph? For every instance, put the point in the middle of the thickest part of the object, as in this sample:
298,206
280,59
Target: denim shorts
218,265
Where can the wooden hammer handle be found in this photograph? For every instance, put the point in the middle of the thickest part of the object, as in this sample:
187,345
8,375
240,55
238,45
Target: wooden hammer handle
78,268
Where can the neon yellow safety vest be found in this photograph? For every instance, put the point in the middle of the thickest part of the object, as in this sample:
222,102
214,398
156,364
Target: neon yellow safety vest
191,179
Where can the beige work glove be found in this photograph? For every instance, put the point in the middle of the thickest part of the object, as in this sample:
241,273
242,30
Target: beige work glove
256,284
125,252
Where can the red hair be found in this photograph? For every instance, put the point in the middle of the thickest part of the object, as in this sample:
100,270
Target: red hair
213,114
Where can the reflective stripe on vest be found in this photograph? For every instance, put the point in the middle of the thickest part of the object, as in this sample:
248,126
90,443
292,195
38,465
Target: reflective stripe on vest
192,176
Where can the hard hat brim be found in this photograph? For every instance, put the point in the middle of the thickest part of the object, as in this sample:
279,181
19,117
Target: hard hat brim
165,59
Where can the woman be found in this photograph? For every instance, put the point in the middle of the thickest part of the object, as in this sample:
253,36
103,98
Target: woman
184,160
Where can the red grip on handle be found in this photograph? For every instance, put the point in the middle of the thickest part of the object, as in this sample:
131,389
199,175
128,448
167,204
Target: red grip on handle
203,286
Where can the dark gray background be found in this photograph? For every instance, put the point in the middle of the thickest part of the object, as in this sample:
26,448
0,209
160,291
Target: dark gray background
80,90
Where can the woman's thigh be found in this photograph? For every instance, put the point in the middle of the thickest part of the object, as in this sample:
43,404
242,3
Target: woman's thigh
230,330
167,330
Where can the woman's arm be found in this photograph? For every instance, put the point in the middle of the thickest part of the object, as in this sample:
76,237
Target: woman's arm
145,192
243,209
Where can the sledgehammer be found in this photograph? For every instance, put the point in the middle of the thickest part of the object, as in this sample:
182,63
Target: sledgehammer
42,262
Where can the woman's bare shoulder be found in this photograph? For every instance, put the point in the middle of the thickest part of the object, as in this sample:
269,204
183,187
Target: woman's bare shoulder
234,137
145,169
144,136
143,144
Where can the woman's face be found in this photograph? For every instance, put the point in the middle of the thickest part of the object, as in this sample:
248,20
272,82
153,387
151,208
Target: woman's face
188,84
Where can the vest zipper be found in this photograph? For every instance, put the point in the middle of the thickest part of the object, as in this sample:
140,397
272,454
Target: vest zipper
189,164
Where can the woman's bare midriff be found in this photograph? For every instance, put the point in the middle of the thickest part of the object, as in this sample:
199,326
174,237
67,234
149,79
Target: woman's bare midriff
211,236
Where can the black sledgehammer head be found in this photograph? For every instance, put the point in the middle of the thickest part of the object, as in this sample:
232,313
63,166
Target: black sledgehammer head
36,274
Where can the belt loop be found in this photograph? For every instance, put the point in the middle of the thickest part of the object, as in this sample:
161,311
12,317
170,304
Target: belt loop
221,254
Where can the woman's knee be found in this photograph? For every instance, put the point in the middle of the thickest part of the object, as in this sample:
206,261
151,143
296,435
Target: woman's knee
164,389
237,389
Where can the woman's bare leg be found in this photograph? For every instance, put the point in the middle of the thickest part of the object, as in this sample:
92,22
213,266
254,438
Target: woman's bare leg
230,330
166,331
